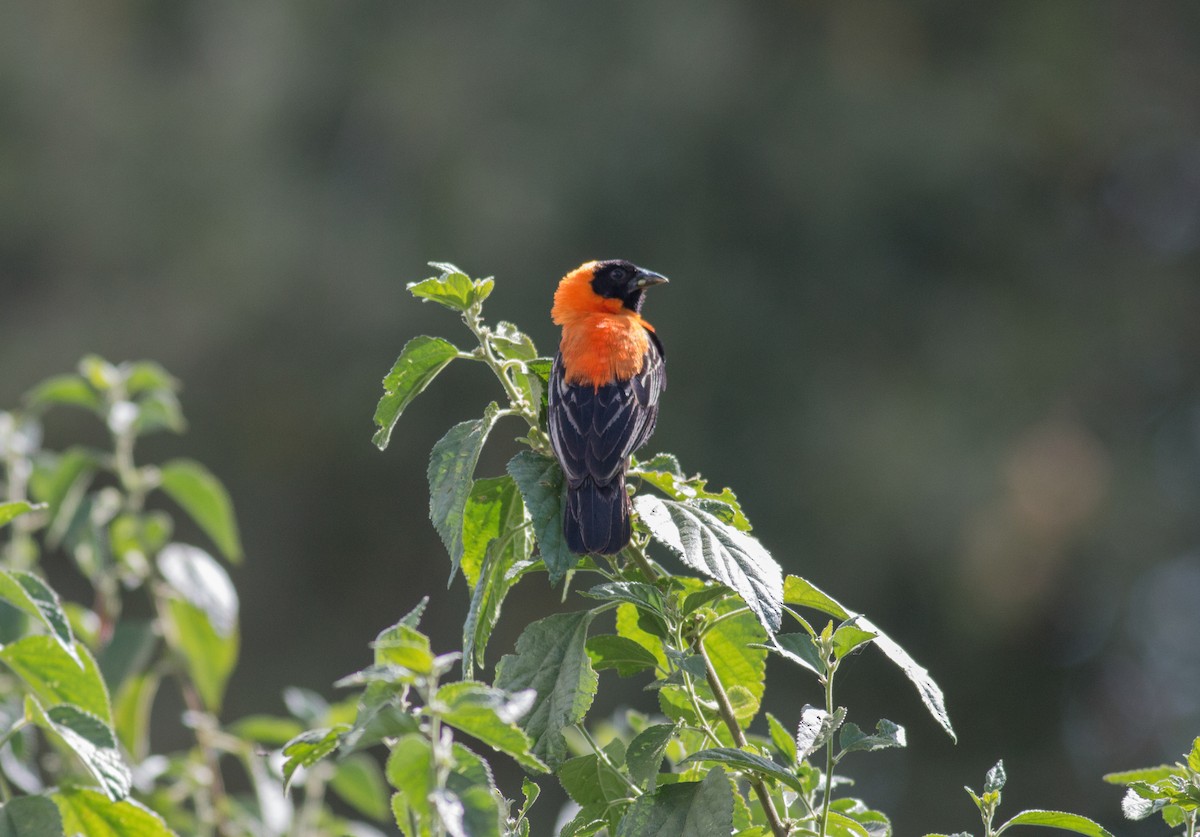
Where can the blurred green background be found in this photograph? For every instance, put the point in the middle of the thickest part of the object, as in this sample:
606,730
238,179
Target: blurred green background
933,315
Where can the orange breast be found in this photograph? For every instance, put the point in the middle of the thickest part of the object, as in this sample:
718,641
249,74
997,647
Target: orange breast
602,340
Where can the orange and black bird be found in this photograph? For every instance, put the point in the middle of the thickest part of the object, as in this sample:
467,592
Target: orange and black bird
604,390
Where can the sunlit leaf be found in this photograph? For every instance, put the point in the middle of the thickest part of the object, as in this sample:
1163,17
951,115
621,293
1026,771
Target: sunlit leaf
625,655
12,510
208,654
420,361
451,471
90,739
358,780
646,751
552,660
748,762
723,553
453,289
64,389
887,734
489,715
1060,820
308,748
541,482
33,596
56,677
202,496
89,812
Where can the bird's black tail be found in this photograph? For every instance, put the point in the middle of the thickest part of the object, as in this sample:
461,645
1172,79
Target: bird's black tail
597,517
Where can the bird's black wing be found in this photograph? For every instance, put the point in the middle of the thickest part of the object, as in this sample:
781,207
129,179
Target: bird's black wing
594,430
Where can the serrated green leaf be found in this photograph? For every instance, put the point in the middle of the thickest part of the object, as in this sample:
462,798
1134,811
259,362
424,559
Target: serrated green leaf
697,600
590,820
453,289
496,580
403,646
359,782
33,596
12,510
92,742
995,778
625,655
733,647
1193,757
840,825
664,473
552,660
379,716
470,812
159,410
815,729
801,649
647,750
85,811
798,591
540,480
208,654
1142,774
511,343
56,677
30,816
451,474
64,389
886,735
489,715
420,361
308,748
639,594
589,781
1060,820
849,637
747,762
197,578
409,772
206,501
723,553
685,809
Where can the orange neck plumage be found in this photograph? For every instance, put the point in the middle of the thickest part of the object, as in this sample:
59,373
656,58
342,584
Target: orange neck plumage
602,340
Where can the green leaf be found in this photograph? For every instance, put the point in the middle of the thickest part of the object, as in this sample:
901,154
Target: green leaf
420,361
379,716
849,637
646,751
496,549
625,655
1193,757
700,598
308,748
748,762
637,593
271,730
801,592
90,739
403,646
1142,774
815,729
782,740
664,473
197,578
409,772
733,647
995,779
55,677
359,782
144,375
159,410
451,471
61,481
842,826
802,649
64,389
202,496
552,659
489,715
208,654
887,734
541,482
1059,820
30,816
85,811
11,511
470,812
33,596
589,781
723,553
131,713
453,289
511,343
684,809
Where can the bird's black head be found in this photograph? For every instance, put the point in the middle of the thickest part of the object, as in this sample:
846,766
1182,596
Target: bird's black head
619,279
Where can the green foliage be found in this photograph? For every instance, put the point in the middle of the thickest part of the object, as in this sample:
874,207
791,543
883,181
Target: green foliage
86,680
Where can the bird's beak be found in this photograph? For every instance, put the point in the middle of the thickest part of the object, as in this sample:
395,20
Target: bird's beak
645,278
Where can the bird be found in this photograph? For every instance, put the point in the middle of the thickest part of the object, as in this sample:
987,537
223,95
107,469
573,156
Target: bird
603,396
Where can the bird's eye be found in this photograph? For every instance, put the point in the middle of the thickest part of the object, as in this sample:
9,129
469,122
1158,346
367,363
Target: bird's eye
617,274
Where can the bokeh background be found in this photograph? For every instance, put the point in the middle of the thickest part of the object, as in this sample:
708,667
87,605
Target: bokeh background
934,315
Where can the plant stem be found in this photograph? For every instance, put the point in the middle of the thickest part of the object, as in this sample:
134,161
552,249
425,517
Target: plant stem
778,827
829,708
